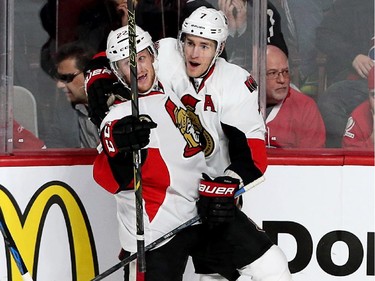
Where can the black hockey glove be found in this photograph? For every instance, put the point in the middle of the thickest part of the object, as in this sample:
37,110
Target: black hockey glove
126,135
102,88
216,204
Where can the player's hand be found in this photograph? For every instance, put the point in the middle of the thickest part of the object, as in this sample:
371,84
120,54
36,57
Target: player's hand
102,88
216,204
127,134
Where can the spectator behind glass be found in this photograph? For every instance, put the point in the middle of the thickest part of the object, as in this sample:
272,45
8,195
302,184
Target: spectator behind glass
71,59
344,37
88,21
359,131
293,119
240,17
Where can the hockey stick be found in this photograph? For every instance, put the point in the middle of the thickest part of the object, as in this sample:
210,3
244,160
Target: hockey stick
249,186
11,245
136,154
170,234
147,248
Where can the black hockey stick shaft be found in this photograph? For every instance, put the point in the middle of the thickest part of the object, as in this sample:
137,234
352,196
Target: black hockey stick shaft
141,259
147,248
12,247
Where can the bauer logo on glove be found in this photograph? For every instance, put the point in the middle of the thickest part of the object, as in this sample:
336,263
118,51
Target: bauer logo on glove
216,204
212,189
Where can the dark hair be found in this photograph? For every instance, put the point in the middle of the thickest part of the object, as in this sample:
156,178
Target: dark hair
81,52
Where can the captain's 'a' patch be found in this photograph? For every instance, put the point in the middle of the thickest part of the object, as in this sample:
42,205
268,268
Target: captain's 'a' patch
251,84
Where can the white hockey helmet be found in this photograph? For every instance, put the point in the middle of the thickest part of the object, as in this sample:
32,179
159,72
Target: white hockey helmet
118,47
206,23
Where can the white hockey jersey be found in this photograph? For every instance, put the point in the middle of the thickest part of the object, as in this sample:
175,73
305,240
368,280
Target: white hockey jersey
227,95
170,173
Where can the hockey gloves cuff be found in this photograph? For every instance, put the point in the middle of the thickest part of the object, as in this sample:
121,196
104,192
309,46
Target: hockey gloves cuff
127,134
216,204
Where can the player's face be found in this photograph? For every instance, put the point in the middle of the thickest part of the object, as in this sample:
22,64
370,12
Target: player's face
145,70
71,81
277,77
199,52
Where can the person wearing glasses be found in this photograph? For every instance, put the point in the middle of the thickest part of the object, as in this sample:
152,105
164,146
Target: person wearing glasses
71,59
292,118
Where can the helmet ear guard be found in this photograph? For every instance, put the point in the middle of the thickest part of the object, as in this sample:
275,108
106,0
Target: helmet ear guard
220,48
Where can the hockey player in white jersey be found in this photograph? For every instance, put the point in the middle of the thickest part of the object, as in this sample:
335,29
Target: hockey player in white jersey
172,161
222,102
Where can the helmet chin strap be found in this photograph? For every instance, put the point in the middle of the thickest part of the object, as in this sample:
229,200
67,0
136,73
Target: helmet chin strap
209,68
217,54
198,80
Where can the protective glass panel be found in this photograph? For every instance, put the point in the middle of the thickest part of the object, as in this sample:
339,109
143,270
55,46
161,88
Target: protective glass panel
29,86
328,62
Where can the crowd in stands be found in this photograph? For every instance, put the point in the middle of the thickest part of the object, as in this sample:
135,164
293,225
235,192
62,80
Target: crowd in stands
300,35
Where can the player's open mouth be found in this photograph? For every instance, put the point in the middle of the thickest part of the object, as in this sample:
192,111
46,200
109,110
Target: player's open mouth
142,77
194,64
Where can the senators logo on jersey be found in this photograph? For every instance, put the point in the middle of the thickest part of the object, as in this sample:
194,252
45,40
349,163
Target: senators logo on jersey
206,139
183,123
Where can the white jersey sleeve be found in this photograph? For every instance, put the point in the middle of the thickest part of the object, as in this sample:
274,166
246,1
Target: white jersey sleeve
240,107
171,71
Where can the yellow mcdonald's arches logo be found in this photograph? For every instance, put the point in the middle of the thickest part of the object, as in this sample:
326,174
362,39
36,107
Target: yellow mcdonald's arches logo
26,229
